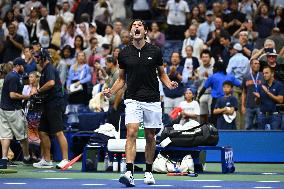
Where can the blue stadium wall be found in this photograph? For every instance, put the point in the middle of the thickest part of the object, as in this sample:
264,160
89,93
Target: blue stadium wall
252,146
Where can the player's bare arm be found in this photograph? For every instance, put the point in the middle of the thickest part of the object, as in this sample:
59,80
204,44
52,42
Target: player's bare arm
119,83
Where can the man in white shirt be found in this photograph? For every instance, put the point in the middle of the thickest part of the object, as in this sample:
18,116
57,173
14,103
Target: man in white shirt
65,13
192,39
177,13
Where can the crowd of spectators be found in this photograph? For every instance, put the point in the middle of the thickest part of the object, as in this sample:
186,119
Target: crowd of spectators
220,41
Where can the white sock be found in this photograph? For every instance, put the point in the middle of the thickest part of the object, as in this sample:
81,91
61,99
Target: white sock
27,157
4,157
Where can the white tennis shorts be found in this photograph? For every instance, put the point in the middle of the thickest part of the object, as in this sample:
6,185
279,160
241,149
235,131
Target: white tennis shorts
148,112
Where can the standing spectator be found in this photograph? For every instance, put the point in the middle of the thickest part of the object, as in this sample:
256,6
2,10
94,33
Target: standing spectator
204,71
79,74
13,121
177,12
270,94
234,20
115,100
215,82
83,30
226,108
30,63
119,11
22,29
247,46
49,18
31,24
263,25
194,16
141,10
191,63
278,69
118,27
239,67
78,44
43,33
192,39
225,41
59,27
111,37
248,27
277,36
217,10
156,37
13,45
206,27
248,7
213,39
68,36
238,63
251,83
93,33
66,14
125,39
174,71
66,61
8,19
102,12
30,5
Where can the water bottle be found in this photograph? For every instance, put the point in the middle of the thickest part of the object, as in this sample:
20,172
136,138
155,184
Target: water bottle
123,164
267,127
106,162
115,163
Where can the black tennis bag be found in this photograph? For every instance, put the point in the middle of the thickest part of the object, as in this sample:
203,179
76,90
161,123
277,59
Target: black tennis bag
202,135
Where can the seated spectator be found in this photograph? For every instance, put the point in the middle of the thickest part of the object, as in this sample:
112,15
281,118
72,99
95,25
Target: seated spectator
68,36
190,108
226,108
251,33
79,75
278,68
270,94
195,16
141,10
225,41
78,44
93,33
247,46
67,60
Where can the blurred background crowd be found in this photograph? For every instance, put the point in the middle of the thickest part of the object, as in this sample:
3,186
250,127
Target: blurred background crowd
198,39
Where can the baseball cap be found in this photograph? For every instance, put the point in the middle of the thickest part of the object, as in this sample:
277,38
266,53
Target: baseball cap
19,61
93,24
271,52
209,13
238,47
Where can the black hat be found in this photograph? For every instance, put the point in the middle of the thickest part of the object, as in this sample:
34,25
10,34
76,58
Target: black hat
19,61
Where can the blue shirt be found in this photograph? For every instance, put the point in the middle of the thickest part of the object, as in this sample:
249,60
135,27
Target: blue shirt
12,83
266,103
216,81
238,66
82,74
30,67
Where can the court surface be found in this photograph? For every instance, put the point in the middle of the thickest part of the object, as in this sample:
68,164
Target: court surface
246,176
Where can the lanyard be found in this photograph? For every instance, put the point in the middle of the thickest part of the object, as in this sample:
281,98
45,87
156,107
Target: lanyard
254,80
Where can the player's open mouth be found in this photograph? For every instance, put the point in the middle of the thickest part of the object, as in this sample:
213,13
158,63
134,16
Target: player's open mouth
137,33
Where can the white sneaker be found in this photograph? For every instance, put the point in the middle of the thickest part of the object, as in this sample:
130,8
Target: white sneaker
62,164
149,178
43,164
127,179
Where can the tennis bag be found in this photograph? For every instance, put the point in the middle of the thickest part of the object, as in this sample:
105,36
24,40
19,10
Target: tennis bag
201,135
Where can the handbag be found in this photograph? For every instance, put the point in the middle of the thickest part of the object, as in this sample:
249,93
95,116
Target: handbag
75,88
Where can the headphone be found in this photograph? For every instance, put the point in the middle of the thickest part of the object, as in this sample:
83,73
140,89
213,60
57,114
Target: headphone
43,54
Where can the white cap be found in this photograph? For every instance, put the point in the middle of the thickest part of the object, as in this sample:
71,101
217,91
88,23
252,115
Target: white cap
238,47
